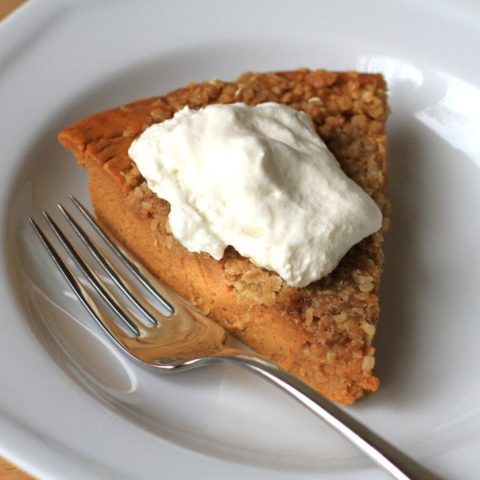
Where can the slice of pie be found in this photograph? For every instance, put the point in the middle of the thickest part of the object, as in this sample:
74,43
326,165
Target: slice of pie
322,332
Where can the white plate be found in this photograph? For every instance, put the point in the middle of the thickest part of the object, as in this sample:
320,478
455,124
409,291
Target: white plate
72,407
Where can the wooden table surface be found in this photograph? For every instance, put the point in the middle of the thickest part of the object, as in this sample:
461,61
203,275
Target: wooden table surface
7,470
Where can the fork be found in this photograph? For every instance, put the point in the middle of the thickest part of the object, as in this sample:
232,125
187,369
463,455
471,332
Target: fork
170,335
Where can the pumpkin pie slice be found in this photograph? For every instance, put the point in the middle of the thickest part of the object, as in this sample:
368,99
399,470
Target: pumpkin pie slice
321,333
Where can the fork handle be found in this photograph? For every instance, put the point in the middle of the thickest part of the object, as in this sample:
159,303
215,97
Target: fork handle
387,456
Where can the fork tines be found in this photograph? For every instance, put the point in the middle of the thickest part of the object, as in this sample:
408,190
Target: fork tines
93,279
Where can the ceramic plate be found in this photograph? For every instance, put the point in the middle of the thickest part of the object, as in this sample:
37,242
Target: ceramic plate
72,406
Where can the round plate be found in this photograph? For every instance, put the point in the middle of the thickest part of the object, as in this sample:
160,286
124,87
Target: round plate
72,406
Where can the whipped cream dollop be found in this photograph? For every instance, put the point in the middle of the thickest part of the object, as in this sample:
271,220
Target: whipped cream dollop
259,179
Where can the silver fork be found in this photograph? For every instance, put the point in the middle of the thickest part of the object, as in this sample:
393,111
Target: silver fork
183,338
